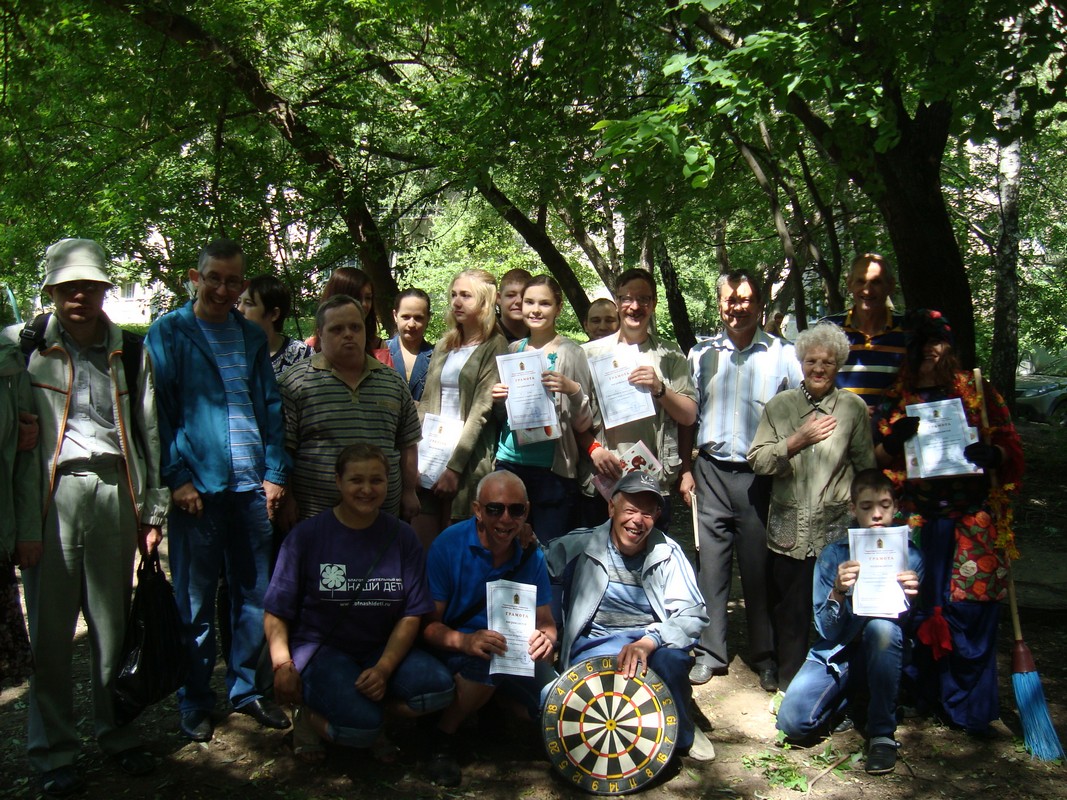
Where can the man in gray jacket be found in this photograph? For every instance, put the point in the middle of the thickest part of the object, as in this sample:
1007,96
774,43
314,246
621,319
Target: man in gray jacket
630,592
103,500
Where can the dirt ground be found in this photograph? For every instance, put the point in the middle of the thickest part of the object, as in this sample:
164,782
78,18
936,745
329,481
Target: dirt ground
507,760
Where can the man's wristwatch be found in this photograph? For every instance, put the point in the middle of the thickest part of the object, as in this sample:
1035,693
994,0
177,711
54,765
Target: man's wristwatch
662,390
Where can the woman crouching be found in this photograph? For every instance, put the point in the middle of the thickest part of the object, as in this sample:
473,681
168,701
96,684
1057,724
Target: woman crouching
342,612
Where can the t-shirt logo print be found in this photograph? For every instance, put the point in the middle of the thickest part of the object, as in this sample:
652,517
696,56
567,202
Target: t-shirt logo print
332,577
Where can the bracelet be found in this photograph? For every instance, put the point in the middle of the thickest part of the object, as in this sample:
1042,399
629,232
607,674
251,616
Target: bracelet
594,446
285,664
662,390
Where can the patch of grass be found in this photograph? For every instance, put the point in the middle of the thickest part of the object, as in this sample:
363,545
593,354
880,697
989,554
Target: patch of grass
778,769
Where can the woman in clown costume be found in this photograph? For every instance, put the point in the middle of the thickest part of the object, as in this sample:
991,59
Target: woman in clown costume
964,527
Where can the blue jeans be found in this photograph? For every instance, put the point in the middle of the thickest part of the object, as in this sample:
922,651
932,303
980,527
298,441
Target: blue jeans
670,663
355,720
233,532
818,693
552,499
524,690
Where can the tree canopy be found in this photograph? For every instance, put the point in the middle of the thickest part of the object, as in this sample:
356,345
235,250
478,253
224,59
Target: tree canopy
416,138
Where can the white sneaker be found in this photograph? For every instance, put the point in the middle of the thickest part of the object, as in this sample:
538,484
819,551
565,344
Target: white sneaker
702,748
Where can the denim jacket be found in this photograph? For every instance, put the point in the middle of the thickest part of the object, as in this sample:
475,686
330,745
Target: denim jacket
835,623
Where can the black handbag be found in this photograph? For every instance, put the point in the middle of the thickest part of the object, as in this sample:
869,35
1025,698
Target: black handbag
155,650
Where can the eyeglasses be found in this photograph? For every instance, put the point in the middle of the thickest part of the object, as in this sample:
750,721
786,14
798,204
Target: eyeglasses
213,281
739,302
81,287
643,300
515,510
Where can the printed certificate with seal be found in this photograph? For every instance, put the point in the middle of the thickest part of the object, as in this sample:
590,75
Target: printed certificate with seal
620,401
512,612
440,435
529,403
881,553
936,451
638,458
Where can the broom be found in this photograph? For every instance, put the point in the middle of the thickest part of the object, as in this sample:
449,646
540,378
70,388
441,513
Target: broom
1038,731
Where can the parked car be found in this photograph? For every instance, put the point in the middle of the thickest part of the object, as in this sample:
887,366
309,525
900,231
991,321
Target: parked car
1041,396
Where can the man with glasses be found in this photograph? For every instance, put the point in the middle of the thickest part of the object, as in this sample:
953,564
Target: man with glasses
662,371
461,561
224,459
630,592
736,372
100,453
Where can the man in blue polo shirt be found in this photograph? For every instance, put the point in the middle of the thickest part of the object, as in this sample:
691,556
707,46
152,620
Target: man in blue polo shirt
875,333
461,561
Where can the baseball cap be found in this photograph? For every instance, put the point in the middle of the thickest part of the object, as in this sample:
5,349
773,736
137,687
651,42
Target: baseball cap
636,482
75,260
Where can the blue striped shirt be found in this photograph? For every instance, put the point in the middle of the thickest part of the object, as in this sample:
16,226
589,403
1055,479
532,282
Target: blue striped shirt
246,444
734,385
873,361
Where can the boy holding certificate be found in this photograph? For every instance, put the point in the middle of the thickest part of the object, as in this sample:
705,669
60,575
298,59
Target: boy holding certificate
851,646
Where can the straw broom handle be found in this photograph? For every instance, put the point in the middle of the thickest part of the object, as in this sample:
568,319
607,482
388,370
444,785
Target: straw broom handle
1013,604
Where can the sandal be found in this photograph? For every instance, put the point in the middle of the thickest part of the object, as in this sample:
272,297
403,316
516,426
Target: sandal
61,781
307,746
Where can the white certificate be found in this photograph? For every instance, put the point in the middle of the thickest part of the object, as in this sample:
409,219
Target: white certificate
440,435
638,458
512,612
882,553
620,402
937,449
529,403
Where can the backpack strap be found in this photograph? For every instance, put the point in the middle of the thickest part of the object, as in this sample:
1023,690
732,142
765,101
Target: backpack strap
132,350
31,337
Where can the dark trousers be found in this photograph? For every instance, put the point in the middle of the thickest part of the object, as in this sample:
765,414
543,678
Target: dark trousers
732,514
791,610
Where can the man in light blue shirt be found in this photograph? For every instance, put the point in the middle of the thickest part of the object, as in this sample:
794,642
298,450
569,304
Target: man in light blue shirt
735,372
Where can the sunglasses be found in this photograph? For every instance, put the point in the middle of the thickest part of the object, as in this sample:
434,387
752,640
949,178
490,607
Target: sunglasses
515,510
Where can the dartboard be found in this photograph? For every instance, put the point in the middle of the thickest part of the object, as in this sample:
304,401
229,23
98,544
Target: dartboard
606,733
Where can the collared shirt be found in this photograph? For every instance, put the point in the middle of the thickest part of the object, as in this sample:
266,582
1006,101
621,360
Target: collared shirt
91,435
658,432
458,566
323,415
734,385
873,361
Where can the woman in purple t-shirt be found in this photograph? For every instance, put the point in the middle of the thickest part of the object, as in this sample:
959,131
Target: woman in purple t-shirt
342,612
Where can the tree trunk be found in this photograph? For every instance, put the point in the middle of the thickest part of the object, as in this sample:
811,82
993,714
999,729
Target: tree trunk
676,308
536,237
928,256
572,218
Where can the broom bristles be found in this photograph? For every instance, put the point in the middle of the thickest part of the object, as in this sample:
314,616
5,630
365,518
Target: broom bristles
1038,730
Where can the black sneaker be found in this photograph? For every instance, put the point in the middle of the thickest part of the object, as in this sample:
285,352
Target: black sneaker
443,770
881,756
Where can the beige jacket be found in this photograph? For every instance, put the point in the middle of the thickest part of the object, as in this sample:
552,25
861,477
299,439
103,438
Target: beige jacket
810,491
52,376
473,456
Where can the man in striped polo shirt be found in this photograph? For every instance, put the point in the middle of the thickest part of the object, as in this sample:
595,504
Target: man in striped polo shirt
343,396
223,457
875,333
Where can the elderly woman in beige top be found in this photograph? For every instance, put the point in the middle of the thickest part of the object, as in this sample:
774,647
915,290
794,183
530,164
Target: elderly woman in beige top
811,440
